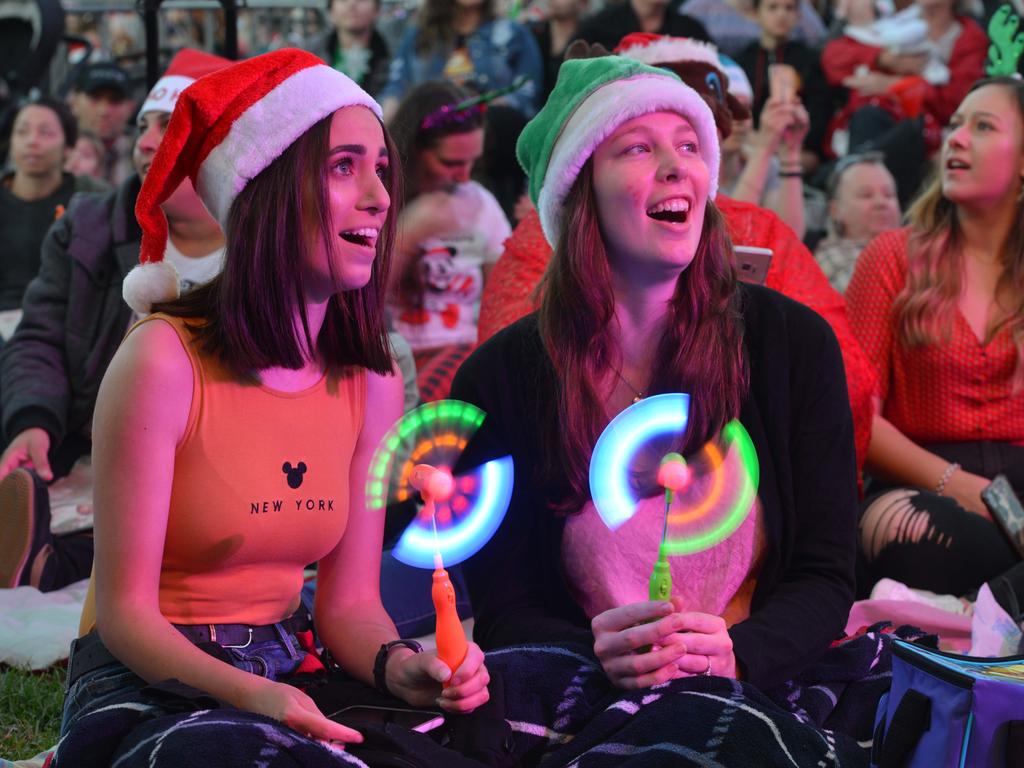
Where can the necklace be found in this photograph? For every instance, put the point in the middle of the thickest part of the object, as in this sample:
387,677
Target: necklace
638,395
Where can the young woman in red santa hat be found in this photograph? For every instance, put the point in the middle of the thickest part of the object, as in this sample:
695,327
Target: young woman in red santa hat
233,430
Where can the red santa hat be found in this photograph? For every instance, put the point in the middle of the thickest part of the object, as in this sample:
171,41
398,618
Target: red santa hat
187,66
226,128
662,49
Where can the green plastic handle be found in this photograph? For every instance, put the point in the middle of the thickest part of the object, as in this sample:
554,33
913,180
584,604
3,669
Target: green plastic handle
660,587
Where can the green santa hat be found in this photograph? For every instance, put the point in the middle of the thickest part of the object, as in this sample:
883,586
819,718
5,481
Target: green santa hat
591,99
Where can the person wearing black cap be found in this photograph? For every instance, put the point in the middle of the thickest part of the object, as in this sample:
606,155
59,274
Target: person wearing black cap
102,103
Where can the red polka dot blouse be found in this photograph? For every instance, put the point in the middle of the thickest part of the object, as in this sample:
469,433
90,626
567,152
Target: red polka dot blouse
956,391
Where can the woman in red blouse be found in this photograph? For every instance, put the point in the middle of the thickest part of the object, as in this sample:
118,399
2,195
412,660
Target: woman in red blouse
939,309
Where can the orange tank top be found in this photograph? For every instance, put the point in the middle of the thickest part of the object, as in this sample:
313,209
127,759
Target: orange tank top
260,490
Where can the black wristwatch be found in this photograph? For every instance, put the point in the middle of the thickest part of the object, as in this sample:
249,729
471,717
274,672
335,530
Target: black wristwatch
381,662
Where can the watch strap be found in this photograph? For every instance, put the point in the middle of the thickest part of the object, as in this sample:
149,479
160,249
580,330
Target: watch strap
381,662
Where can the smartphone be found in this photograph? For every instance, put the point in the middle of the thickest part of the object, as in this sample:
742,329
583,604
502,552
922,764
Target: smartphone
752,263
1006,509
782,82
422,720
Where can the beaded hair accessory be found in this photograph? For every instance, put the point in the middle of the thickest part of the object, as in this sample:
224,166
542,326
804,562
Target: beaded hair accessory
1007,43
463,111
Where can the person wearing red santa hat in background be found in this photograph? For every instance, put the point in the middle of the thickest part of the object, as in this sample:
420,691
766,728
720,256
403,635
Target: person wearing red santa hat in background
511,292
74,318
234,429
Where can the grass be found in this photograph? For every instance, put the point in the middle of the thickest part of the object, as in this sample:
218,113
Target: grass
30,710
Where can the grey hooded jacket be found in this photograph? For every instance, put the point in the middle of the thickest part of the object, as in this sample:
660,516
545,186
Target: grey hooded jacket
74,316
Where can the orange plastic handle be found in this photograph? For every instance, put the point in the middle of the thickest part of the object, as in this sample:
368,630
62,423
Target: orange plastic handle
451,638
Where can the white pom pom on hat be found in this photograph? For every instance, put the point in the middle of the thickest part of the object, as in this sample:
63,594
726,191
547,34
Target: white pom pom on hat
149,284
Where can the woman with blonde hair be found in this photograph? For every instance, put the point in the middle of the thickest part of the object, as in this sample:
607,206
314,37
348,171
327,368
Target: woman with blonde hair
939,308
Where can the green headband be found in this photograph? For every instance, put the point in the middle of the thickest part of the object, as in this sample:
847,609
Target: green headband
1007,43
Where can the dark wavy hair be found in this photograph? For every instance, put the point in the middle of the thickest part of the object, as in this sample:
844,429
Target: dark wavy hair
925,307
701,351
406,125
245,314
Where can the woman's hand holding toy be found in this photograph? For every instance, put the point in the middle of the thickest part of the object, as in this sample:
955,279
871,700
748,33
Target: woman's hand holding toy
417,678
707,642
620,632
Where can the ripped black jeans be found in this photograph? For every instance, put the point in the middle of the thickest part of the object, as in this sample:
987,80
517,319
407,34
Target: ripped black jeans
930,542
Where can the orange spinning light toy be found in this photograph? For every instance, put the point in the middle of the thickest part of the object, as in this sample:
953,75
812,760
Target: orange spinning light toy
439,485
459,513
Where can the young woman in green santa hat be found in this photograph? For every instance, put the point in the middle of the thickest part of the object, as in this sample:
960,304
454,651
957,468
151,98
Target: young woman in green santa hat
640,298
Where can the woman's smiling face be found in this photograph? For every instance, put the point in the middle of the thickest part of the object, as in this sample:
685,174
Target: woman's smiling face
357,203
651,187
983,156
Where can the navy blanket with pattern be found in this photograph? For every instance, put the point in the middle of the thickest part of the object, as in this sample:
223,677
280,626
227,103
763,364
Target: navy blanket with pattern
562,711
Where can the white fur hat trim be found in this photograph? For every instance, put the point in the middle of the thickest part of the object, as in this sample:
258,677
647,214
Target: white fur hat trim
673,50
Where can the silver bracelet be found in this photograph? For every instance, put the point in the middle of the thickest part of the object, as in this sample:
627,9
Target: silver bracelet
953,467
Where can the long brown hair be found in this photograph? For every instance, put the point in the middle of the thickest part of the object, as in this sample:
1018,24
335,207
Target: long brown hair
246,312
925,308
700,352
436,22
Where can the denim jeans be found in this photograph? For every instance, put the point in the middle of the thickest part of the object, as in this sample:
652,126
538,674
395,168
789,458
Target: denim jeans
501,51
116,684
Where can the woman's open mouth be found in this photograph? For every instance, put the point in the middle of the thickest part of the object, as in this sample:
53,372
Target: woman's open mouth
675,210
365,237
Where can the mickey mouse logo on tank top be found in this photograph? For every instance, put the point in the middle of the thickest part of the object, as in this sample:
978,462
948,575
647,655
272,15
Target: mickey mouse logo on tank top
294,474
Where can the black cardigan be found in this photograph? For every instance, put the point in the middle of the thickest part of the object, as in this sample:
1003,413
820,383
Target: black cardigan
798,415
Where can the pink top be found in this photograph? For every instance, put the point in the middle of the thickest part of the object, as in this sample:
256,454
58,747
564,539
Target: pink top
606,568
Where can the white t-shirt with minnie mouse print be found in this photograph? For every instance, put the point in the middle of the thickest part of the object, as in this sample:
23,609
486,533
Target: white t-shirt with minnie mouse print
452,270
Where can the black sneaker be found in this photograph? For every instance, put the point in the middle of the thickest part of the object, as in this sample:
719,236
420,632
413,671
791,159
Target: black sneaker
26,544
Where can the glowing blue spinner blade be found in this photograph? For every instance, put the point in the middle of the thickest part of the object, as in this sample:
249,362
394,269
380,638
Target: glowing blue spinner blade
626,434
475,526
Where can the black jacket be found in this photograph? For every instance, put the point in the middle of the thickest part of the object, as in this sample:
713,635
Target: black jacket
798,416
325,45
74,317
615,21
